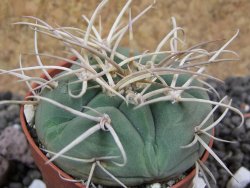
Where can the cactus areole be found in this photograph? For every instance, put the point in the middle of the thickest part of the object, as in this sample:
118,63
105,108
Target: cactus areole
152,135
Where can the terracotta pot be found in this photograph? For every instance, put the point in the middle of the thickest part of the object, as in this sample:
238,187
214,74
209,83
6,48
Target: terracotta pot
50,172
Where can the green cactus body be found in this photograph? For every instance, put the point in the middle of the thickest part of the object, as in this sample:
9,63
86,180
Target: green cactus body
152,135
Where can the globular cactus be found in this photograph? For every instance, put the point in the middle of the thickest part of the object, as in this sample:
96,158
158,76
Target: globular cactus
151,136
119,117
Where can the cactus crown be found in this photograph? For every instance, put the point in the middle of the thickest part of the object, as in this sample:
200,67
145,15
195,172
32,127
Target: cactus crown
118,117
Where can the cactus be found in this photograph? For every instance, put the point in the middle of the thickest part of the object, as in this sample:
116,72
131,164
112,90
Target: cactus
118,117
151,136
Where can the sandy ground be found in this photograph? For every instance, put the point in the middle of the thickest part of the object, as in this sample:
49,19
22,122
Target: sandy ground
202,20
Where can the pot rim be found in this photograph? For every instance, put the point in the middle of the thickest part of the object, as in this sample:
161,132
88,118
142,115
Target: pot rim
53,72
